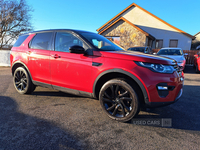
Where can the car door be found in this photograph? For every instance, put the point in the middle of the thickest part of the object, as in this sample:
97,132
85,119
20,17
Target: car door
70,70
39,57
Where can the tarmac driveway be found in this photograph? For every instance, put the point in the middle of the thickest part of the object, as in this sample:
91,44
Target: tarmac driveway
49,119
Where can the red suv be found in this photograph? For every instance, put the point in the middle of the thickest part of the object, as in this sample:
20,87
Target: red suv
87,64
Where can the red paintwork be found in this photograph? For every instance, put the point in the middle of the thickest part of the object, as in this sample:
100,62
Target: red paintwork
197,61
75,71
71,70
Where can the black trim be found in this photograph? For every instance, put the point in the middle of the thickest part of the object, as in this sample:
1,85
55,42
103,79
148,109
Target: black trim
146,99
158,104
72,91
42,84
67,90
164,93
96,64
170,88
161,104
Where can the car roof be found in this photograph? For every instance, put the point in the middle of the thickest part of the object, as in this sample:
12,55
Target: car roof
56,30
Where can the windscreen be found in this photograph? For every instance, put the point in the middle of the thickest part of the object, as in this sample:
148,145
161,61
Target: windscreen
170,52
101,42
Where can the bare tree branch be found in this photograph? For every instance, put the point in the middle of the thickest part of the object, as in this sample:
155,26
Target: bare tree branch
14,20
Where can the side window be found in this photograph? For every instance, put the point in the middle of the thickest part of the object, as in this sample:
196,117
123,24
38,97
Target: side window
41,41
65,40
20,40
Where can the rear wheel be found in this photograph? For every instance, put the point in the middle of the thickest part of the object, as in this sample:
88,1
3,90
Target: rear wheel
22,81
119,100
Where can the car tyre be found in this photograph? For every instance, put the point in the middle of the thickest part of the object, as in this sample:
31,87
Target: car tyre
22,81
119,100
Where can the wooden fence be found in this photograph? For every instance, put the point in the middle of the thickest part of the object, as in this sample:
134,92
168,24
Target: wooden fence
189,58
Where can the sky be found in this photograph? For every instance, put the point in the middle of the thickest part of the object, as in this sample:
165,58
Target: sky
89,15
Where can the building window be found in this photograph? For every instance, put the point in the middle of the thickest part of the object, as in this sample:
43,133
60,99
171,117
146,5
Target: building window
150,41
173,43
115,39
159,44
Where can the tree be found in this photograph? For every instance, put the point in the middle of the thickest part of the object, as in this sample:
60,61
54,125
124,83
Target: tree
14,20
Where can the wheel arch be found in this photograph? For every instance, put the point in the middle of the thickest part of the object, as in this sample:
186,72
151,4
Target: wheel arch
20,64
119,73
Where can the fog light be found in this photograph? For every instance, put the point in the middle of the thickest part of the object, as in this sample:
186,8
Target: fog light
162,88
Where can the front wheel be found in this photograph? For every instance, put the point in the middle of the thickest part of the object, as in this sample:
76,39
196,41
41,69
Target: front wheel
22,81
119,100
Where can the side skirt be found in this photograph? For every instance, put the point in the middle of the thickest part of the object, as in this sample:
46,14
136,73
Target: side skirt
66,90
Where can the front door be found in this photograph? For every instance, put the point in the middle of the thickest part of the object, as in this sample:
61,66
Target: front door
70,70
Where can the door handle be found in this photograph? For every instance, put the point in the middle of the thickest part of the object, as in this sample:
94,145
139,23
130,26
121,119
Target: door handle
55,56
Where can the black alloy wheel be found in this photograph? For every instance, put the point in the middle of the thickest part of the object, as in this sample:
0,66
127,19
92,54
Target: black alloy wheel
119,100
22,81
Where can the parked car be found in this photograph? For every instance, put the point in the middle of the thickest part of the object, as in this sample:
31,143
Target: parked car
174,53
198,47
88,64
146,49
197,62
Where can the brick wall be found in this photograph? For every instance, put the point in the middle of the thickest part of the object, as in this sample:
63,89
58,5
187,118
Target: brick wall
129,36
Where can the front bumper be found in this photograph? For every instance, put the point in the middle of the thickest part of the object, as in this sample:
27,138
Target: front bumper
162,89
161,104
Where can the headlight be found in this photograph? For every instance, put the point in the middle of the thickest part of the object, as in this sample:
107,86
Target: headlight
157,67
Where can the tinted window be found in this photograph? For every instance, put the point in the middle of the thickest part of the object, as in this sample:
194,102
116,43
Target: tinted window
20,40
65,40
41,41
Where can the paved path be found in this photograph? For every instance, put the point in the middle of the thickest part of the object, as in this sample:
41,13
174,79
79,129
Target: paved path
50,119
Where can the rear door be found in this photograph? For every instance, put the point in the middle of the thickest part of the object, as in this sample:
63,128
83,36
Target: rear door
39,55
70,70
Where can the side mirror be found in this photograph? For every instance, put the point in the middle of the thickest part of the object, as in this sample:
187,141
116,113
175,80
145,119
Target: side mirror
77,49
154,53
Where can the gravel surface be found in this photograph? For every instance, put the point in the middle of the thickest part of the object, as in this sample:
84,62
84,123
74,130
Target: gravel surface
49,119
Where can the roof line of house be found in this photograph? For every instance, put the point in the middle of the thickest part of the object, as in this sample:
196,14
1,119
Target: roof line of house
197,33
133,4
122,18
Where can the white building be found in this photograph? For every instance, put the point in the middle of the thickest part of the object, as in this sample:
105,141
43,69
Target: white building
135,26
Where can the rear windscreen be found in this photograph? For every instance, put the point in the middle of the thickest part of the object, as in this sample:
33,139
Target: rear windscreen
20,40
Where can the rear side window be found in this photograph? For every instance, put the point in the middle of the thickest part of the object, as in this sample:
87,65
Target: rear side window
20,40
41,41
